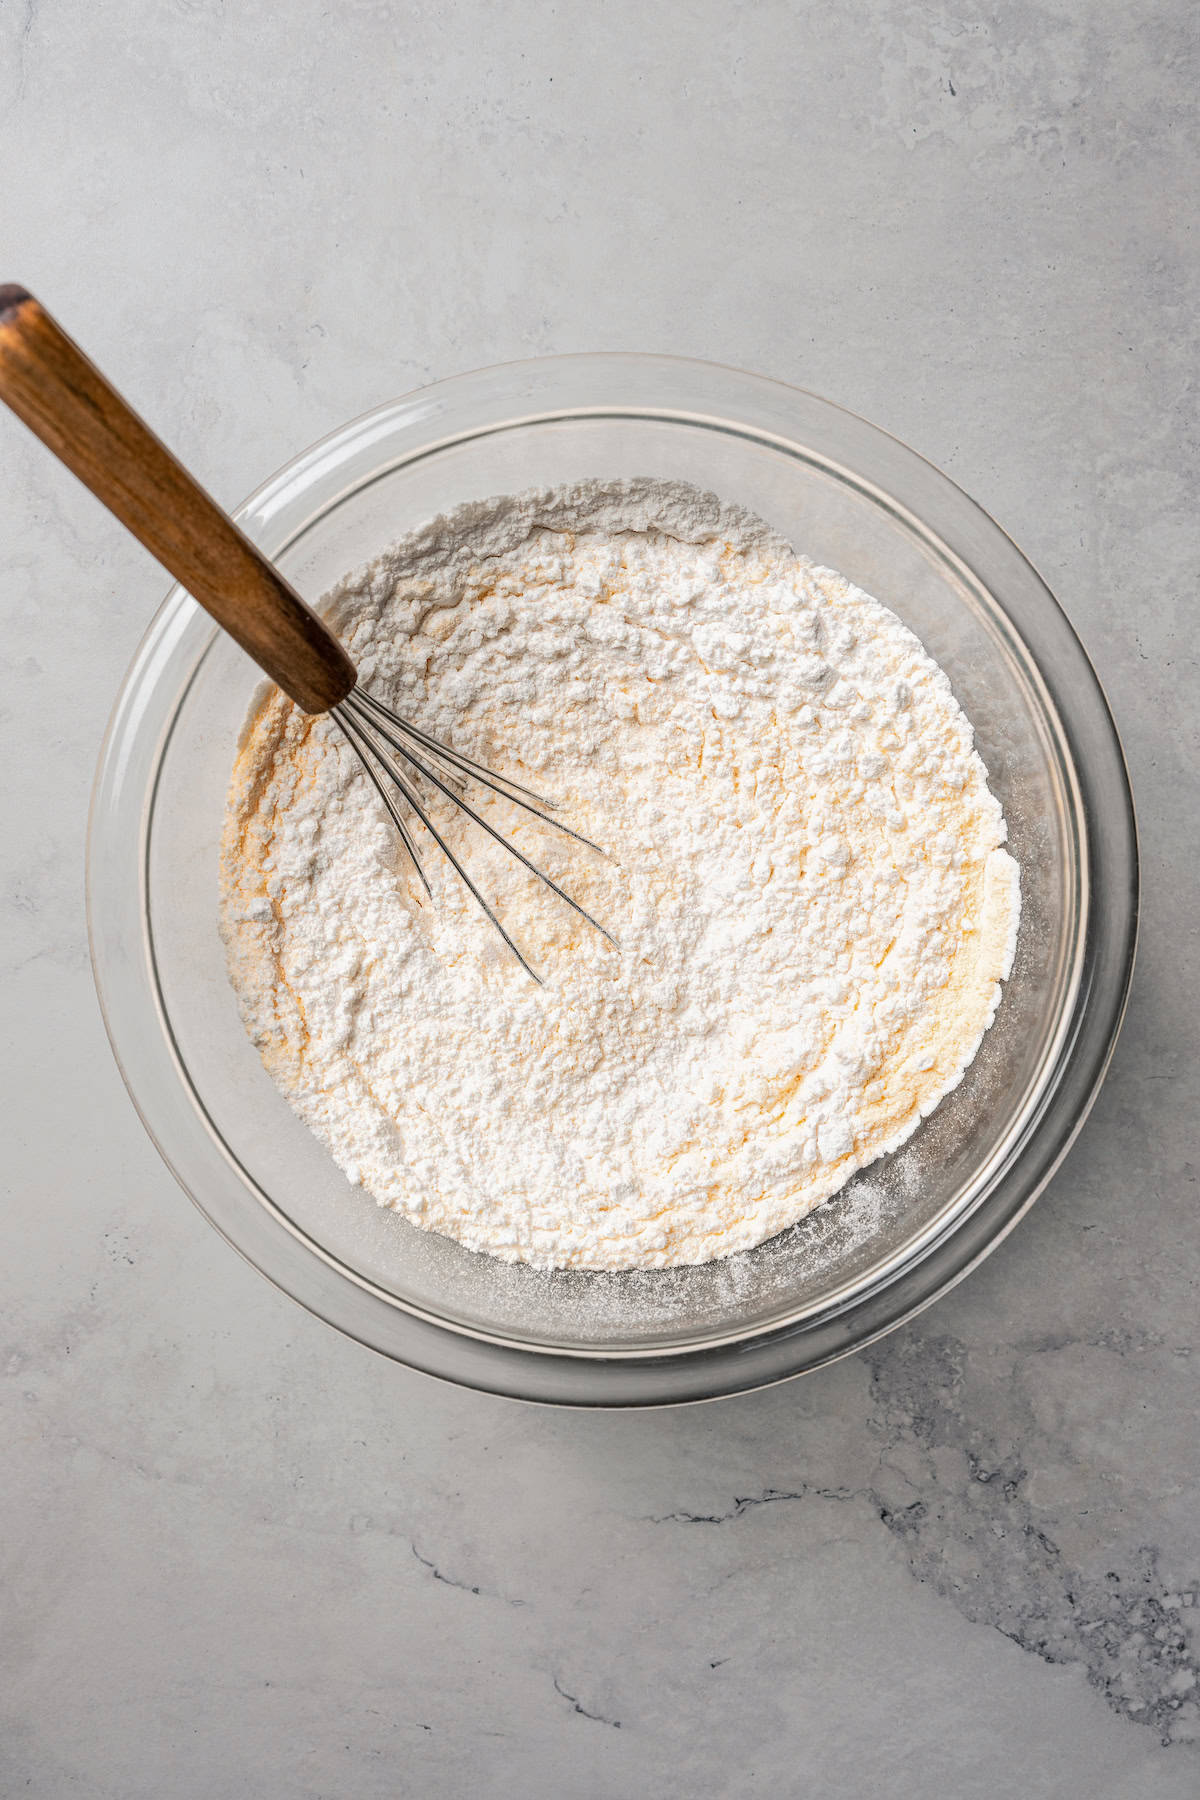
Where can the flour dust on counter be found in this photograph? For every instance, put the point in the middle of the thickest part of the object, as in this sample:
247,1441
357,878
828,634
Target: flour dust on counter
803,865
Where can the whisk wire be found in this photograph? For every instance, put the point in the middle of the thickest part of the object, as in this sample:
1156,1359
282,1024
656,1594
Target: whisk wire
499,784
377,736
362,744
359,744
396,742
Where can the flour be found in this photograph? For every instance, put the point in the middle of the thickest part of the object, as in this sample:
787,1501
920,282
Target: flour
804,870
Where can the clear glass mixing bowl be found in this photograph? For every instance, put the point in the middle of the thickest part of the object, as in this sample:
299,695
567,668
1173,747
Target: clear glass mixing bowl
847,495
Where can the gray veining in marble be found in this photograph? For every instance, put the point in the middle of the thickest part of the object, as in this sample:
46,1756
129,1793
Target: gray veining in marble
244,1556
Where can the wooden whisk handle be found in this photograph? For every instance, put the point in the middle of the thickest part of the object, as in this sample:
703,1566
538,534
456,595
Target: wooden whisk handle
62,396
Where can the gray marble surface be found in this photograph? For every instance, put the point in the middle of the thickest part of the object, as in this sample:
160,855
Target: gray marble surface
244,1556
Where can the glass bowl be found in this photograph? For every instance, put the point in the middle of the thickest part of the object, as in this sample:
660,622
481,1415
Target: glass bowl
905,1229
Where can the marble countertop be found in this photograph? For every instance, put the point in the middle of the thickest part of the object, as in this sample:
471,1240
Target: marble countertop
245,1556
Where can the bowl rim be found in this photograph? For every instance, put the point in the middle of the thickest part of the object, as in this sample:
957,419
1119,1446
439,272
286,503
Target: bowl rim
1089,1026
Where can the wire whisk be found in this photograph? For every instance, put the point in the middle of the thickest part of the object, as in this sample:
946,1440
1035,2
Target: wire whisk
379,736
62,396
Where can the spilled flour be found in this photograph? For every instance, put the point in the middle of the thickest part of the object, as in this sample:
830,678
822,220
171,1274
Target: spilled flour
804,870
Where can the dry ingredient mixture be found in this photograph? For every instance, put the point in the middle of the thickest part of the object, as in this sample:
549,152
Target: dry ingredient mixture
804,869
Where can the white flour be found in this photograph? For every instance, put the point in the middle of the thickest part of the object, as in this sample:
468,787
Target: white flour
804,872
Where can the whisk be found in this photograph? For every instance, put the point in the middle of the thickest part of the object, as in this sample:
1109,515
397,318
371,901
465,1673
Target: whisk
60,394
